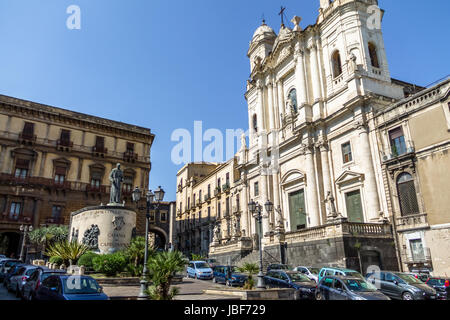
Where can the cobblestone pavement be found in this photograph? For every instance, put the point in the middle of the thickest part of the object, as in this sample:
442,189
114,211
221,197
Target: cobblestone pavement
5,295
189,289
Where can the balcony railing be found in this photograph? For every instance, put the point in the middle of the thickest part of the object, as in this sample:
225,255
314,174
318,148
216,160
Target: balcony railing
6,218
226,187
55,220
419,257
99,151
26,138
95,189
64,145
130,156
410,222
393,153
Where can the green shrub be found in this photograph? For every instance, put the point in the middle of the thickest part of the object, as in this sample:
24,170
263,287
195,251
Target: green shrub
87,260
58,260
110,264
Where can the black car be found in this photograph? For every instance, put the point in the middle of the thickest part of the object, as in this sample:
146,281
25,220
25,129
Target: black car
442,287
399,285
291,279
347,288
6,265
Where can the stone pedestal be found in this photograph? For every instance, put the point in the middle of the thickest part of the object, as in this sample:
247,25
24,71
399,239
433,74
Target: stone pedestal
106,229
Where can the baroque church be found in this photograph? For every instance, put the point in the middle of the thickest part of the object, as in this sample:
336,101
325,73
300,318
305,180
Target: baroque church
313,162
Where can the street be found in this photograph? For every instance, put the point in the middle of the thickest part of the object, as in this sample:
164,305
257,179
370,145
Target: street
5,295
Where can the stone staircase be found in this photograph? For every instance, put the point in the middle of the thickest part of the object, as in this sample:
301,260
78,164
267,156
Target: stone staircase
253,257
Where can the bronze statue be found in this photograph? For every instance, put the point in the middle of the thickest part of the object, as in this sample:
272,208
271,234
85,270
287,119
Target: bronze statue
116,178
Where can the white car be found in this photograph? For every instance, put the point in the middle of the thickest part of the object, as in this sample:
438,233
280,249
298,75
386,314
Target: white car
310,272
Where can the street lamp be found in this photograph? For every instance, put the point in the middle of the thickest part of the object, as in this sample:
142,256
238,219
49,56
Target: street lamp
256,209
24,229
151,204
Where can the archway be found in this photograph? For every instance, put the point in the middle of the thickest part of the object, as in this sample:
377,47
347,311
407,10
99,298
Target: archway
370,258
158,238
10,243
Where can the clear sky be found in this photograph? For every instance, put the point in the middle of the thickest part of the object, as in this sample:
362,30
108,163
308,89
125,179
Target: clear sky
163,64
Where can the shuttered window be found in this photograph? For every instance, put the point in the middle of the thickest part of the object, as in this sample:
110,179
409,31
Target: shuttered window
354,206
397,139
297,210
407,195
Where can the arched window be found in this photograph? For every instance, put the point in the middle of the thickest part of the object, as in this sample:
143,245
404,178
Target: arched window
407,196
373,55
255,123
337,65
292,98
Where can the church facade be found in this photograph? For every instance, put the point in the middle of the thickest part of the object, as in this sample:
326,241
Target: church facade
314,102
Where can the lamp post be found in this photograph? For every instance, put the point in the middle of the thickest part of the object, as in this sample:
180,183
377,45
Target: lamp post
150,200
25,230
256,210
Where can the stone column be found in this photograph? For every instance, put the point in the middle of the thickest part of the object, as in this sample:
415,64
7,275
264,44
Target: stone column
2,156
270,105
311,187
245,228
300,76
276,199
264,198
315,73
260,108
281,106
327,186
370,183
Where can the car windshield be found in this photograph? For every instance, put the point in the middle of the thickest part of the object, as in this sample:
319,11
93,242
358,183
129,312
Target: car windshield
409,279
298,277
80,285
360,285
314,270
201,265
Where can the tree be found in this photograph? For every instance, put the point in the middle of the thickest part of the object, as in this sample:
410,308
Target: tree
197,257
135,255
69,251
162,268
45,236
251,269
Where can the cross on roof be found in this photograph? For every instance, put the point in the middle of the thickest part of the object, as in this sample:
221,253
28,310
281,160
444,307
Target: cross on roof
282,15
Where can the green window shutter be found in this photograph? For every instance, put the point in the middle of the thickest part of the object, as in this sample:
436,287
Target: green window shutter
297,210
354,206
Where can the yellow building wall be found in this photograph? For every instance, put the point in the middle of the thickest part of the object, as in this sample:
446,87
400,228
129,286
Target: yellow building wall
429,128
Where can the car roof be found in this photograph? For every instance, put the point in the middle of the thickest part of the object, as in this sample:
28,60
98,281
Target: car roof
343,277
197,261
339,269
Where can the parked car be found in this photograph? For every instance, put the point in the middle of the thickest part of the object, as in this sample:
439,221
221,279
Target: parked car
69,287
442,287
419,275
6,265
278,266
291,279
34,281
229,275
12,272
310,272
334,271
398,285
20,277
199,270
347,288
2,256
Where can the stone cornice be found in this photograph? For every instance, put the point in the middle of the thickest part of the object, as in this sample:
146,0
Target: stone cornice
40,112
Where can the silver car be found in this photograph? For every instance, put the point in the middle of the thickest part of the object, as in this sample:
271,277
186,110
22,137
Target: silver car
18,280
311,272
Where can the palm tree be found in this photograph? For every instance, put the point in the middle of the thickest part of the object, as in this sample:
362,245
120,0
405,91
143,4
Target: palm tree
162,267
48,235
69,251
135,254
251,269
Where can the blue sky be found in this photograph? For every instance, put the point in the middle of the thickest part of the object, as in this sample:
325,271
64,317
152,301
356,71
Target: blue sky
164,64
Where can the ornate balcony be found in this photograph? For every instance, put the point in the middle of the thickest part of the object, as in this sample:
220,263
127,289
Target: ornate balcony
423,257
27,139
56,221
412,222
226,187
64,145
99,151
129,156
95,189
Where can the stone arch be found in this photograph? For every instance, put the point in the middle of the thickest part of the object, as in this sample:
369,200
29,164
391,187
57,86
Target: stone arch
336,63
10,243
161,237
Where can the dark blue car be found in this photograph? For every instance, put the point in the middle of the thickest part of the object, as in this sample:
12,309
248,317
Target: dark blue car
229,275
67,287
291,279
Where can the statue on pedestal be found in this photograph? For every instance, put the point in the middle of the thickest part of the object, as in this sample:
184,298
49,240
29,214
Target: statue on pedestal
116,178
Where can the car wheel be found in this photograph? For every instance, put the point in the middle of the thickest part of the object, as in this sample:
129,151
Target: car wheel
407,296
319,296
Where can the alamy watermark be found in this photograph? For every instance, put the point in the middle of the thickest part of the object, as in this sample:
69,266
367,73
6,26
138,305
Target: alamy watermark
73,22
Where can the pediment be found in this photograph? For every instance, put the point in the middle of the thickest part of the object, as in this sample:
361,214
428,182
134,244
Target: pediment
292,176
349,177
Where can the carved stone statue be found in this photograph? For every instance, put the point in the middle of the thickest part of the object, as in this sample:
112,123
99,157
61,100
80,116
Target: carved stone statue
216,233
331,206
75,235
352,62
243,142
116,178
91,237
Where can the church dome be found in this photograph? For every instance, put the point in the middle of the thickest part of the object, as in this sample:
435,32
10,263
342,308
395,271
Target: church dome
263,32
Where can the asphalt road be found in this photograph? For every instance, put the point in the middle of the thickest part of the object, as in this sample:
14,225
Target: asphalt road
5,295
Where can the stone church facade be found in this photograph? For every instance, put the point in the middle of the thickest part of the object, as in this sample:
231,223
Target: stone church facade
314,102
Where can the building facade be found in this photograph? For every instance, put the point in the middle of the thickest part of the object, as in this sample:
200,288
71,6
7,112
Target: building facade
55,161
414,138
315,99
